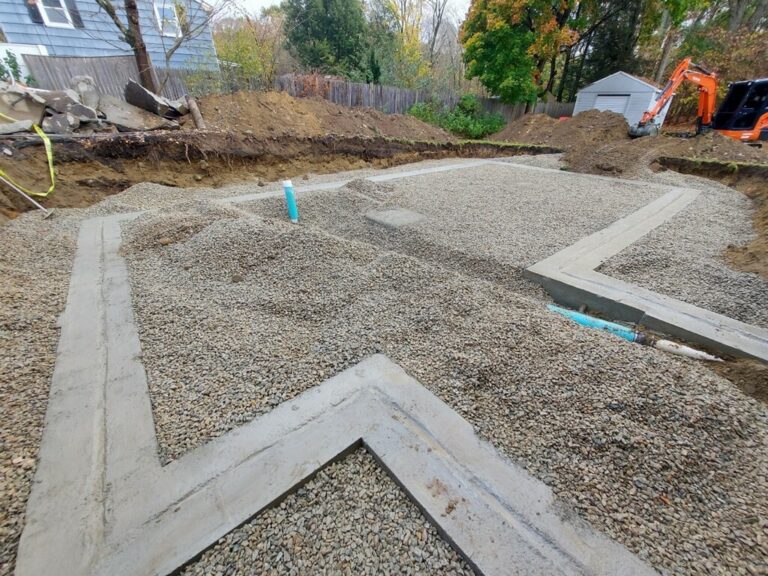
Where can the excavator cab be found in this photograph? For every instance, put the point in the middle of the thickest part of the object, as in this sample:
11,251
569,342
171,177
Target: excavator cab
743,115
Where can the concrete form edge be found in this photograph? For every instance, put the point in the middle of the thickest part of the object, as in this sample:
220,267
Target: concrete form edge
159,538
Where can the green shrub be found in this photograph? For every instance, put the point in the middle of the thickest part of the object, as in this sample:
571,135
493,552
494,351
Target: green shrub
467,119
469,104
11,69
428,112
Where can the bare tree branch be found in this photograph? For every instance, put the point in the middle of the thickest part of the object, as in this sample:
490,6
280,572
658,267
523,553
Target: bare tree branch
108,7
191,23
436,15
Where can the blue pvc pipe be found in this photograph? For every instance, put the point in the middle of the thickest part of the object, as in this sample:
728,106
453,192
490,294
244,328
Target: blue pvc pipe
290,201
592,322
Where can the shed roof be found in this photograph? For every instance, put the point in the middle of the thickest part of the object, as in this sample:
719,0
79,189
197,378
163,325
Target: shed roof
621,78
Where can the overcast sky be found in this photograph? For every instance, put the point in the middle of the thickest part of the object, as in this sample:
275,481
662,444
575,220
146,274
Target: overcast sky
255,6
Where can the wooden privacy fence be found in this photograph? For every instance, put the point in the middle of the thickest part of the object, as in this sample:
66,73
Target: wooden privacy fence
355,94
555,109
399,100
111,73
512,112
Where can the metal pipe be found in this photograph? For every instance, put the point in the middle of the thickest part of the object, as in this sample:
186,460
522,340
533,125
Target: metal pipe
29,198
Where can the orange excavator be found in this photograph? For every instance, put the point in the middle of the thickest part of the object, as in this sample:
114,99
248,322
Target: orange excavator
743,115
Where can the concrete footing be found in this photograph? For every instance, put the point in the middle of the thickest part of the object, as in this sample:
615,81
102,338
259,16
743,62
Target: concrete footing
570,278
102,504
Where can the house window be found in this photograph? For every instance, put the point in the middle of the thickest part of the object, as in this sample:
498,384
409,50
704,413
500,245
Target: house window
55,13
167,19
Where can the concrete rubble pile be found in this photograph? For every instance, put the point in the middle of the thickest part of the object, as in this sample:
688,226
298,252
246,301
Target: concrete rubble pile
83,109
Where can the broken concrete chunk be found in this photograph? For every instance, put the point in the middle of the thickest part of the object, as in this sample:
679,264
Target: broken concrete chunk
86,89
13,127
65,102
179,106
17,104
139,96
129,118
60,123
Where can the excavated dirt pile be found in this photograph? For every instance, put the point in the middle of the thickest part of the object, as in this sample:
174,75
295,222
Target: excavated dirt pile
632,157
598,143
268,114
250,135
584,130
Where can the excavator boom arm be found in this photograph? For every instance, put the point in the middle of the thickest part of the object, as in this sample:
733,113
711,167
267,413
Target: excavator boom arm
686,70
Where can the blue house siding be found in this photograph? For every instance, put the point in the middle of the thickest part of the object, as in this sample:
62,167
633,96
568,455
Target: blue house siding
99,36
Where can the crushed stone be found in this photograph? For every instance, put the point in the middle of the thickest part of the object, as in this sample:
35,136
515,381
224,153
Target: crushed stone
656,451
34,276
490,222
684,258
351,518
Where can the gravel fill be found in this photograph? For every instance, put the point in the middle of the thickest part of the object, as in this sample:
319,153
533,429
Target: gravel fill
553,161
489,222
351,518
683,258
150,196
238,312
35,263
249,311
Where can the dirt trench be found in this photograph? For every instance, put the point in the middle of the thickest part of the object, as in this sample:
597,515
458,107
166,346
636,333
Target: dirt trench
89,169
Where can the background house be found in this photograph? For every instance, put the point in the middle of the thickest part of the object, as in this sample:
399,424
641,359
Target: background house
82,28
621,93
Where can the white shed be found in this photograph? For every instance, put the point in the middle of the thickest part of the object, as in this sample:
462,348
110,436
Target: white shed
622,93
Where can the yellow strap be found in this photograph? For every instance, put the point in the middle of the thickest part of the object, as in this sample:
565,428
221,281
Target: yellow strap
48,153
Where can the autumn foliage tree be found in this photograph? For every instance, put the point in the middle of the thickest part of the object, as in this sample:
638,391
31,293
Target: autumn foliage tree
253,45
508,44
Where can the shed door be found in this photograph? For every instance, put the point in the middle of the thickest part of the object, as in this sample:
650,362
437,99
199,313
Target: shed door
613,102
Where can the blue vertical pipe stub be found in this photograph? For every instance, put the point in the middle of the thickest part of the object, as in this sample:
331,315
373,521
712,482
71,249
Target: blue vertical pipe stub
290,201
592,322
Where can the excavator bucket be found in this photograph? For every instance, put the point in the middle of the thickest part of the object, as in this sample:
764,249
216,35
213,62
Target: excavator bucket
639,130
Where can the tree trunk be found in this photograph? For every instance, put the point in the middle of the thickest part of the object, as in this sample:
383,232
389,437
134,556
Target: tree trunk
567,62
580,69
139,48
552,73
666,52
564,74
761,11
664,28
537,75
738,9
